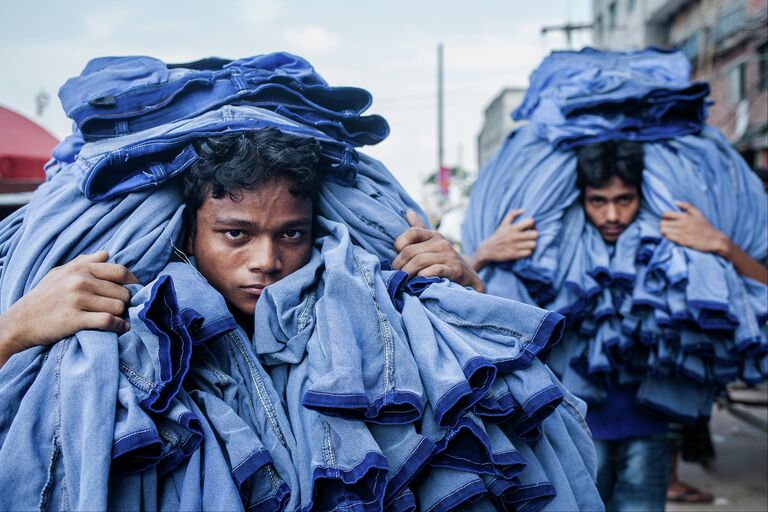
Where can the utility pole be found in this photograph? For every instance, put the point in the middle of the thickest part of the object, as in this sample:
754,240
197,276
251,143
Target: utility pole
568,29
439,106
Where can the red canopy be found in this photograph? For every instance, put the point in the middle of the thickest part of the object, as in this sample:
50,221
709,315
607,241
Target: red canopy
25,146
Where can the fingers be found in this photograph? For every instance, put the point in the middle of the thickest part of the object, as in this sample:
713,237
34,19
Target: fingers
96,257
105,322
113,272
97,304
511,216
108,289
685,206
413,236
413,219
524,225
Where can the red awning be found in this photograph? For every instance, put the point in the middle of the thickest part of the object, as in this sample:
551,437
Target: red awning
25,146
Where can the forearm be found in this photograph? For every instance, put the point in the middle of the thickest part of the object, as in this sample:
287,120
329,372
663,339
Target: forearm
477,262
9,339
744,264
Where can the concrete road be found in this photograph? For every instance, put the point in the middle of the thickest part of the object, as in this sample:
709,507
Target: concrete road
738,477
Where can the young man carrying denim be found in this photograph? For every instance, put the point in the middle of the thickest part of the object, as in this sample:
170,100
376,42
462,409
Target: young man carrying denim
631,440
249,218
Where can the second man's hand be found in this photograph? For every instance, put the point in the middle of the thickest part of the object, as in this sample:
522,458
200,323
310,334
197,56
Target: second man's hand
427,253
510,242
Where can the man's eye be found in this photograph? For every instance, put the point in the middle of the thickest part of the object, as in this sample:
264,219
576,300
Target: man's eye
292,234
596,201
625,200
234,234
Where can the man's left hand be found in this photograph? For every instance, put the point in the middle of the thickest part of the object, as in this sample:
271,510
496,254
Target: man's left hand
427,253
691,229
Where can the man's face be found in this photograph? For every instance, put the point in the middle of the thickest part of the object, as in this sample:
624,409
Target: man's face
243,246
612,207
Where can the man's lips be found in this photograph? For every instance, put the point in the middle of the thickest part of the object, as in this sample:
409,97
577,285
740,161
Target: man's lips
254,289
612,230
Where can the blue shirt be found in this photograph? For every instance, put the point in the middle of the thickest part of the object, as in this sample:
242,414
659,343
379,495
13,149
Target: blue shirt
621,416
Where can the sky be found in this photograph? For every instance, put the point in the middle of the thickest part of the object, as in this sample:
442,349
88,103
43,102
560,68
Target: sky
387,47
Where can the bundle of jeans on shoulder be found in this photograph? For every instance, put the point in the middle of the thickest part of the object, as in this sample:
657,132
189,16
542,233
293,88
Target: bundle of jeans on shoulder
116,96
360,389
676,321
587,96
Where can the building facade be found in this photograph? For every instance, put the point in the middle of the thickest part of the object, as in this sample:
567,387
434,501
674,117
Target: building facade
498,122
726,42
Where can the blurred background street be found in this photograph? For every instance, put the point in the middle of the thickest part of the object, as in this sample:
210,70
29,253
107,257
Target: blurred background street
738,475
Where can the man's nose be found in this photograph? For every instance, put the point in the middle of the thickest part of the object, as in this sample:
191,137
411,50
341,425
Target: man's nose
264,257
611,213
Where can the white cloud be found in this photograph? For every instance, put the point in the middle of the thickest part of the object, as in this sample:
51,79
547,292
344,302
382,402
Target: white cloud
311,40
257,12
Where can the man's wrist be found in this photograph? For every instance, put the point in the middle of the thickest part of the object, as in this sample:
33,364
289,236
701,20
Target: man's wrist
478,261
8,339
724,247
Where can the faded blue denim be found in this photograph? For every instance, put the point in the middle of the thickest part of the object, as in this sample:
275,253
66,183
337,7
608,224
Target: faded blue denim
576,98
633,473
116,96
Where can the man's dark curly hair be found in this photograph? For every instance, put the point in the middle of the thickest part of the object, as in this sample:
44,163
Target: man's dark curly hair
230,164
597,163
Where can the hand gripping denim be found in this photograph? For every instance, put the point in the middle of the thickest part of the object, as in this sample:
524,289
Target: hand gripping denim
580,97
116,96
649,304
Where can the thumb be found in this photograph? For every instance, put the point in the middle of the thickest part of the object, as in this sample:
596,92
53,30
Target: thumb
413,219
510,217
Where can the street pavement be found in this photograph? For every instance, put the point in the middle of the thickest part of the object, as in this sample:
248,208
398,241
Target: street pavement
738,477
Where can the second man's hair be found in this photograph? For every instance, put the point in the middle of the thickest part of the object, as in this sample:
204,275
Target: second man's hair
597,163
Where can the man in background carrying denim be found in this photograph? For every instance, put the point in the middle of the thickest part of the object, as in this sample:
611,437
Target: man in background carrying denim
249,220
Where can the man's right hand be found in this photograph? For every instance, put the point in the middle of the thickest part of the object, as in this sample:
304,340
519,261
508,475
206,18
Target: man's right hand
86,293
510,242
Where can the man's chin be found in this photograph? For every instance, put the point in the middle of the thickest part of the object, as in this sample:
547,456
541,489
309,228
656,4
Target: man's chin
611,236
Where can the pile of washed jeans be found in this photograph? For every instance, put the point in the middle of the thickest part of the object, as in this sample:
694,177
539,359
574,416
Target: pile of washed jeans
576,98
361,389
678,322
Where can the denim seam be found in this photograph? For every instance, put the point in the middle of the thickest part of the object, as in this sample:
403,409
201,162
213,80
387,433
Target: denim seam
370,223
273,477
384,328
306,312
131,435
454,320
576,414
260,390
455,491
221,377
170,436
136,378
329,458
45,493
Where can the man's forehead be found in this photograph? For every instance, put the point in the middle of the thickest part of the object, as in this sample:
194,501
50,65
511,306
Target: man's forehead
612,188
268,205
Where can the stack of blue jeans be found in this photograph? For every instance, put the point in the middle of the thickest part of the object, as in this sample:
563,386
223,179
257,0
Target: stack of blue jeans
674,321
359,389
580,97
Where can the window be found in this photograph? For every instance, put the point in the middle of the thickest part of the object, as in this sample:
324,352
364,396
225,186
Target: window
736,83
690,47
762,68
730,19
612,15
